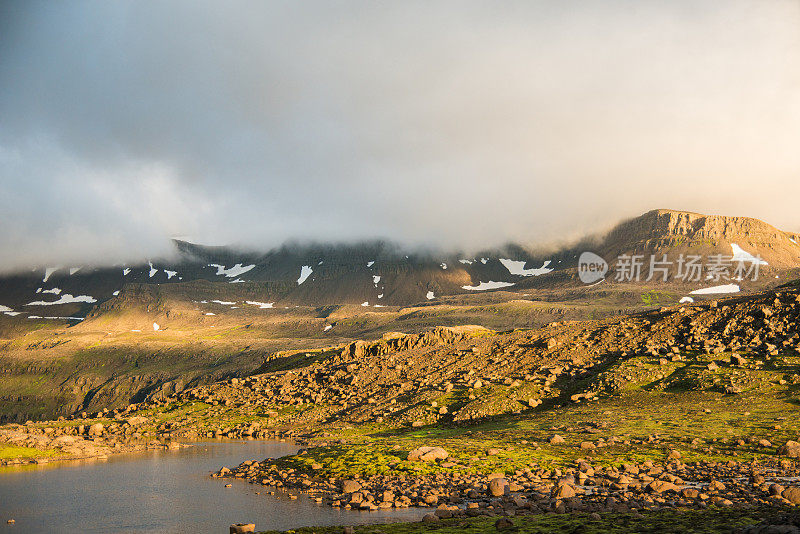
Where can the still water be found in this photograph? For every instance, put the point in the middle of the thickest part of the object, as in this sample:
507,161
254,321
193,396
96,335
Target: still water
162,491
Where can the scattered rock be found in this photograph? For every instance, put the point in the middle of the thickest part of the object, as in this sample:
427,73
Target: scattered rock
498,487
428,454
350,486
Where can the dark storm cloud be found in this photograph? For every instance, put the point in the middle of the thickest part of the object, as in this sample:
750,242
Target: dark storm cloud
456,124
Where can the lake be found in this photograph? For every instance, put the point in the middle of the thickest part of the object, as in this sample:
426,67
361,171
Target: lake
162,491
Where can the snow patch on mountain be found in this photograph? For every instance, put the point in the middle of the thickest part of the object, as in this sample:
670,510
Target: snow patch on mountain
48,272
484,286
517,267
727,288
262,305
232,272
739,254
66,298
305,272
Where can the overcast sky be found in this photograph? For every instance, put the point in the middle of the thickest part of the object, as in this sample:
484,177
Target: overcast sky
456,124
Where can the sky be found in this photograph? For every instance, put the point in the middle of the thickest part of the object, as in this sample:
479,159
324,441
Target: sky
446,124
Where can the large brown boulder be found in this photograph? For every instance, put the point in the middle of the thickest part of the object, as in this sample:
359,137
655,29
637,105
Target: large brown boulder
661,486
790,449
563,491
792,495
498,487
350,486
428,454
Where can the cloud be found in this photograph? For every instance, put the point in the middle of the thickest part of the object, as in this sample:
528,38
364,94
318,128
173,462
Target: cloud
456,124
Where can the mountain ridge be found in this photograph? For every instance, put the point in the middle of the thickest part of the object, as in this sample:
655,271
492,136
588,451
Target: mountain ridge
382,273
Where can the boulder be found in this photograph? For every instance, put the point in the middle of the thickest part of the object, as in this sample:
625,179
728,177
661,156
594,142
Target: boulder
96,429
563,491
498,487
427,454
661,486
792,495
350,486
137,420
239,528
430,518
790,449
737,359
690,493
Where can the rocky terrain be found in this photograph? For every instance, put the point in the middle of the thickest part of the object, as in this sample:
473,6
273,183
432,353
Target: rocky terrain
683,407
537,399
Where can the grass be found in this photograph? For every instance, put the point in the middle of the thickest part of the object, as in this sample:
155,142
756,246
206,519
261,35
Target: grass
646,424
709,521
11,452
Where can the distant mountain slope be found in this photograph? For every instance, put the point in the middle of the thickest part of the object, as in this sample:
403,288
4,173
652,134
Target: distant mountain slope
382,274
678,232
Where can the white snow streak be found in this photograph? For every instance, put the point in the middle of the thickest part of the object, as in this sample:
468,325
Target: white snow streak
233,272
47,272
262,305
518,268
483,286
739,254
305,272
727,288
66,298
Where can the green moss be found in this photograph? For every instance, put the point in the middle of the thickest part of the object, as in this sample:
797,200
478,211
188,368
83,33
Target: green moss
710,521
10,452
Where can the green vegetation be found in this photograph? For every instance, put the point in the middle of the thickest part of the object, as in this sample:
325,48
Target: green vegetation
710,521
10,452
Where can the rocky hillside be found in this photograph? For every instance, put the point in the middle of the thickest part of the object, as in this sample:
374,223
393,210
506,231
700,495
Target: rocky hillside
678,232
469,373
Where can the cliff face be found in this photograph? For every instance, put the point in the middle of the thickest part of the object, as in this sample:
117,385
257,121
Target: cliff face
675,232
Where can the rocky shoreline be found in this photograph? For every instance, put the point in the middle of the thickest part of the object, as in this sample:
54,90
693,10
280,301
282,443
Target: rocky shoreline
81,442
581,488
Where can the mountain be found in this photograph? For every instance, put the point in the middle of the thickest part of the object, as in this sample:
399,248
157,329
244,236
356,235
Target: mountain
383,274
678,232
128,332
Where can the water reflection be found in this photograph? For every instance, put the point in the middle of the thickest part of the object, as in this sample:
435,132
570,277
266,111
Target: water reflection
161,491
